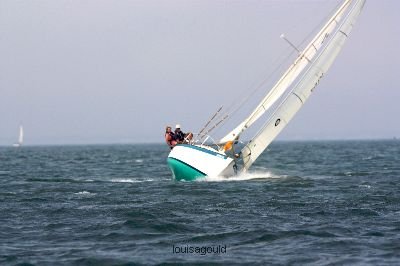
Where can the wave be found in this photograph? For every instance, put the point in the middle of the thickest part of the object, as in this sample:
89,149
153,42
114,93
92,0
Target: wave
57,180
251,175
94,180
86,193
130,180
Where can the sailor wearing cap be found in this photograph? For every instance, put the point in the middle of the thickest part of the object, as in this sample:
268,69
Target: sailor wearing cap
179,135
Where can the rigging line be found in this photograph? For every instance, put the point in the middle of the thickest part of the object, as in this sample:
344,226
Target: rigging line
316,28
336,31
216,116
200,136
258,87
321,22
216,125
211,119
228,114
246,99
224,116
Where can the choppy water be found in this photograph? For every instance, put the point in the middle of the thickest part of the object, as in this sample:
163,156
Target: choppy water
303,203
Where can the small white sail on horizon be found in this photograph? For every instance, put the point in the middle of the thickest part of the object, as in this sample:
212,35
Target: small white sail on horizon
20,137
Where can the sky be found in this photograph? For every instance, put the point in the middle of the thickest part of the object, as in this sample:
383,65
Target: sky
96,71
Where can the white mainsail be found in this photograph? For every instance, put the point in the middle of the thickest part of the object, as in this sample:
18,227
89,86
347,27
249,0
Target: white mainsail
330,43
191,161
302,61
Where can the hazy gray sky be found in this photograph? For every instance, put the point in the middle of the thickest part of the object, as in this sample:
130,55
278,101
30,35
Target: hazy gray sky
99,71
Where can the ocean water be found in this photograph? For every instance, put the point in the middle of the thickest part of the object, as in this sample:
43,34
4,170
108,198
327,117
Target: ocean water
314,203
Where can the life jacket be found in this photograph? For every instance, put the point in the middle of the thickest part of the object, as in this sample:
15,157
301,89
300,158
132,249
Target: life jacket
180,136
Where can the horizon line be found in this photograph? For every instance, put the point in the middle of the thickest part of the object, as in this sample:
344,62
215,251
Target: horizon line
158,143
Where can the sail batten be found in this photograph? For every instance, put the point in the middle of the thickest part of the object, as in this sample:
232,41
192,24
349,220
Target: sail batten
304,59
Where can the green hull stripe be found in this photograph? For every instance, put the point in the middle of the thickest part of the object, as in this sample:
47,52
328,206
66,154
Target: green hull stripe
183,171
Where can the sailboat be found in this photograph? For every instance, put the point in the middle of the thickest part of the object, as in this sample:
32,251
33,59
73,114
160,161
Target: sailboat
20,137
199,158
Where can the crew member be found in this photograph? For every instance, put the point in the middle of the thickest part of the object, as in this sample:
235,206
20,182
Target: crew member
179,135
170,137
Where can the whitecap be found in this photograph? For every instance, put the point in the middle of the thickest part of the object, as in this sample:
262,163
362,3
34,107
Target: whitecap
367,158
130,180
9,193
253,175
84,193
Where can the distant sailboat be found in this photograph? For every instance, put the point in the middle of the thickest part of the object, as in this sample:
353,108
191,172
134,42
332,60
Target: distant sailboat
196,159
20,137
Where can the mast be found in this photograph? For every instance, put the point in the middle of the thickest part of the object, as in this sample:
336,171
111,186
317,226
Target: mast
302,61
331,42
